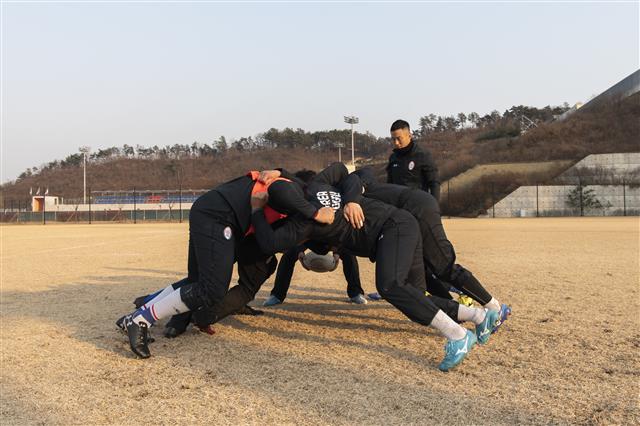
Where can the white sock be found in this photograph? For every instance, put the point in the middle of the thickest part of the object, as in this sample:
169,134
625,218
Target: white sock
493,304
448,327
467,313
164,293
171,304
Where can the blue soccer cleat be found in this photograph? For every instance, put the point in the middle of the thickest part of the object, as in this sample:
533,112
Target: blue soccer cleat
374,296
505,311
456,350
486,327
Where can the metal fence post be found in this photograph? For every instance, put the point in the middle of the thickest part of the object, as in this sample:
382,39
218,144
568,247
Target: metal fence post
44,209
180,200
493,203
537,202
449,198
134,205
624,198
581,206
89,206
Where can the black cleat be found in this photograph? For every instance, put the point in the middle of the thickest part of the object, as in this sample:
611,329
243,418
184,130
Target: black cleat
172,332
120,324
177,325
248,310
139,301
138,337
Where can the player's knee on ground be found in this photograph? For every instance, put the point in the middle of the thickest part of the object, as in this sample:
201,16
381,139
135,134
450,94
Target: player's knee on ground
196,295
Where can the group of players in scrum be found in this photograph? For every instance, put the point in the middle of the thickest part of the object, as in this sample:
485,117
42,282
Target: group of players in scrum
251,218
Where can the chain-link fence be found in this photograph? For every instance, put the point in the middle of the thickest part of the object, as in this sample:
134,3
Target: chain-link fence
129,206
487,198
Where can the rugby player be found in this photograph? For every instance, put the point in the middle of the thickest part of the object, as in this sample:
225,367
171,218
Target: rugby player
389,236
438,252
218,223
287,264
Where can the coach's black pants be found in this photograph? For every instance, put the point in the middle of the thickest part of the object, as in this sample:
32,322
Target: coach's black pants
439,254
400,271
288,262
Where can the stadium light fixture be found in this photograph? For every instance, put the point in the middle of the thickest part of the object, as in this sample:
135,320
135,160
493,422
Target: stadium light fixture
352,119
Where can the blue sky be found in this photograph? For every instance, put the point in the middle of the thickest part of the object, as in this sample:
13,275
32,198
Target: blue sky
104,74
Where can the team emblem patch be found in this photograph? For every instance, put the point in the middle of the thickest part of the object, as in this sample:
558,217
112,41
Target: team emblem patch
411,165
227,233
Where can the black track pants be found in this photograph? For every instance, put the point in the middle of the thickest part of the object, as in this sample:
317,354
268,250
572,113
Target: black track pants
439,254
210,264
252,273
285,272
254,268
435,286
400,270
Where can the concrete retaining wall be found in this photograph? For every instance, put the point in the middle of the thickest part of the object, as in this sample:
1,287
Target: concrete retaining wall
533,201
616,164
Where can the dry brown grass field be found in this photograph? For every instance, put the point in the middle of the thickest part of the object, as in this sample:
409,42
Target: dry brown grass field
570,354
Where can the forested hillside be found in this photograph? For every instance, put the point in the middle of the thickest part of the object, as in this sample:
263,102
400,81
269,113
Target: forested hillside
457,143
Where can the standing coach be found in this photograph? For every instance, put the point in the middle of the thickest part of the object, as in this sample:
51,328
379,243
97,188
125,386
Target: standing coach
409,165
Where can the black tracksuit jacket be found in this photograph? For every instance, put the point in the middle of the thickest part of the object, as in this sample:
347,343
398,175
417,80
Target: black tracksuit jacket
321,193
414,167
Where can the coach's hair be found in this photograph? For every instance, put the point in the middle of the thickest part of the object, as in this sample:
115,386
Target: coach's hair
399,124
305,175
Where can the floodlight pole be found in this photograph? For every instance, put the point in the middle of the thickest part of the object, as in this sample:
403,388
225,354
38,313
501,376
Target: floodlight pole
352,119
84,150
340,145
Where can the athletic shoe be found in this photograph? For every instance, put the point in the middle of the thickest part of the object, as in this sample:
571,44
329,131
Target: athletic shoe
358,300
374,296
248,310
453,289
139,301
172,332
465,300
272,301
120,324
486,327
138,337
177,325
505,311
456,350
